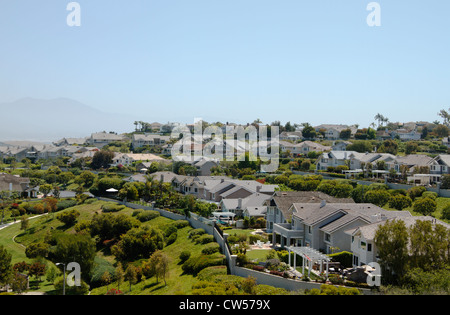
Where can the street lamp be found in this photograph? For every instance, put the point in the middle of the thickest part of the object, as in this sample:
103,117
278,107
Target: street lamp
64,277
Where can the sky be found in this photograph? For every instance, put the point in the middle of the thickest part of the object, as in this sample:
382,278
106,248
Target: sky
313,61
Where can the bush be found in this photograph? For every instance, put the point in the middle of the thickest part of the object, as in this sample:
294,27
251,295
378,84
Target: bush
204,239
185,255
345,258
430,194
196,232
195,264
147,215
416,192
179,224
425,206
211,273
69,217
400,202
211,248
171,239
112,207
64,204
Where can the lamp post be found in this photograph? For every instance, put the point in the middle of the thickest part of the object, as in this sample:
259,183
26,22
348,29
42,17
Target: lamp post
64,277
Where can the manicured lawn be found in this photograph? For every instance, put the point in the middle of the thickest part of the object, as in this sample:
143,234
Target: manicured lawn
258,254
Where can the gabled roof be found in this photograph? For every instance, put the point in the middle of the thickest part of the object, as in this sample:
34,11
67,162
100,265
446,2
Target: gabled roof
283,200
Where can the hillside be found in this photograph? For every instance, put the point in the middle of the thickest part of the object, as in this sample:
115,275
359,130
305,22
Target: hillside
50,120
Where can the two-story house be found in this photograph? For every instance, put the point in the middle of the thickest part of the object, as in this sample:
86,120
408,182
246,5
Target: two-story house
279,205
323,226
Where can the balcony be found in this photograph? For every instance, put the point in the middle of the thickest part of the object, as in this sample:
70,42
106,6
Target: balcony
285,229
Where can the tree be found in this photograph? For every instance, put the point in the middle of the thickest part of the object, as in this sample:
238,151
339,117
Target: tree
159,265
131,275
37,270
5,265
106,279
78,248
308,131
24,223
391,239
429,245
119,274
45,189
425,206
102,159
400,202
68,217
441,131
378,197
345,134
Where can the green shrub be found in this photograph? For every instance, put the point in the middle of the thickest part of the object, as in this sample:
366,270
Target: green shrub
112,207
400,202
195,264
210,273
185,255
211,248
204,239
171,239
147,215
179,224
196,232
345,258
64,204
430,194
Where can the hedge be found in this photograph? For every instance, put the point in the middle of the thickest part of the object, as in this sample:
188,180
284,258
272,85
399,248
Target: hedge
195,264
345,258
147,215
211,248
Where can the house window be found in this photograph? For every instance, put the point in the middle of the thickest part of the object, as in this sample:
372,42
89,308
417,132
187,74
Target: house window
369,247
353,239
309,230
327,237
363,245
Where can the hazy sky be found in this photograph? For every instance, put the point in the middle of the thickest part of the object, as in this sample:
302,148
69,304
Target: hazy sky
311,61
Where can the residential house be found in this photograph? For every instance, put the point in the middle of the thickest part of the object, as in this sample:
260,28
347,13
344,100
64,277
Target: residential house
250,206
333,132
440,164
362,241
15,183
101,139
406,134
354,160
279,209
303,148
69,141
294,136
340,145
142,140
204,166
127,159
322,226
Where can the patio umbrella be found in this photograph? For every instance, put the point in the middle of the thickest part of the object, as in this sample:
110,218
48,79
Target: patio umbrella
112,190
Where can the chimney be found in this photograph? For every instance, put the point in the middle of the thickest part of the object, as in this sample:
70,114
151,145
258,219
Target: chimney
162,178
222,180
323,203
239,203
10,186
258,189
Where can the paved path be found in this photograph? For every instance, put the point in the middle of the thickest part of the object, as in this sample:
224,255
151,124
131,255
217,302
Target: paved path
18,221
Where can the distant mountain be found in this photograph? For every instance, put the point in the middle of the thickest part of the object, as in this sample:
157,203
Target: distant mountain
49,120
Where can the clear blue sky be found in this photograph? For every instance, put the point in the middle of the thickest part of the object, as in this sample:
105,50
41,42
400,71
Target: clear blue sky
311,61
